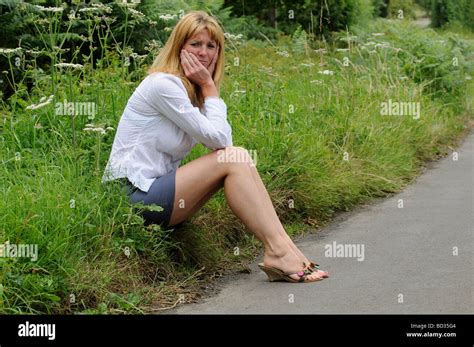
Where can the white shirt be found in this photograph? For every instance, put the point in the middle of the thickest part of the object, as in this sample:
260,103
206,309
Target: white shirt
159,127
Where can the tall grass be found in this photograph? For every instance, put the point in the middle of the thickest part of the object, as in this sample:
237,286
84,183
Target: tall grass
312,115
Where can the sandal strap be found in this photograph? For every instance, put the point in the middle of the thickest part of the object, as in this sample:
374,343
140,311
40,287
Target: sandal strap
302,274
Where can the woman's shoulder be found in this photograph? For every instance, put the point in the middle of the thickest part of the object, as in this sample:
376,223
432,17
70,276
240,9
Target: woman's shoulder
163,81
157,85
163,76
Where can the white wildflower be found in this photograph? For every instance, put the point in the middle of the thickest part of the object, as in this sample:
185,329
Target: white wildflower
60,50
382,45
124,3
237,92
153,45
348,38
34,53
284,54
233,37
136,14
8,51
87,9
71,15
49,9
97,129
43,102
69,65
167,17
326,72
102,7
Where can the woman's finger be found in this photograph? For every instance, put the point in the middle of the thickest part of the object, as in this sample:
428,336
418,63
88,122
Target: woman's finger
185,64
190,60
195,60
214,61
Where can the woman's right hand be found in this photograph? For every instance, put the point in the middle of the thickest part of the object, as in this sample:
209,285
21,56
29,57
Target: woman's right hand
194,70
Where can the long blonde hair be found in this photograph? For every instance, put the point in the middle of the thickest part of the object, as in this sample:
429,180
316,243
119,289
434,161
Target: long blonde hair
168,60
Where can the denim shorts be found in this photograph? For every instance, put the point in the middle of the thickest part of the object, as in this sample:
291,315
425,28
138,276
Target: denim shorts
161,193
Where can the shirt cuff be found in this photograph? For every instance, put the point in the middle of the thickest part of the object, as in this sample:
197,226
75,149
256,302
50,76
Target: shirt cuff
208,98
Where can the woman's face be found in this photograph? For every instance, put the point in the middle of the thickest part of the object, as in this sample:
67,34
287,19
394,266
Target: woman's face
202,46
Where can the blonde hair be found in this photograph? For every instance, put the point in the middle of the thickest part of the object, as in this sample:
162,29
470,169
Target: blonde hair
168,60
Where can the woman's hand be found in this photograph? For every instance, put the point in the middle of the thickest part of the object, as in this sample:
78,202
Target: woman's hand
195,71
212,65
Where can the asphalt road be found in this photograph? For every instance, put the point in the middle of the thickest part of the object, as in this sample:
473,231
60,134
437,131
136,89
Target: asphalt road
414,259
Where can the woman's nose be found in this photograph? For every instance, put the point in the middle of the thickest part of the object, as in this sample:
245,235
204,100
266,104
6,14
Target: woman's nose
202,52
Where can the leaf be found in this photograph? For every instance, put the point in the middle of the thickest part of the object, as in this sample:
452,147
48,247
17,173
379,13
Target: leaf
152,207
52,297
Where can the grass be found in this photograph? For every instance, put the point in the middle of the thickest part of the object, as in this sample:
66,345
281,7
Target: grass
322,147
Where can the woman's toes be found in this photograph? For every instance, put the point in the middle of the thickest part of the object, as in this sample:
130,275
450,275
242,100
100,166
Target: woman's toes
314,277
323,273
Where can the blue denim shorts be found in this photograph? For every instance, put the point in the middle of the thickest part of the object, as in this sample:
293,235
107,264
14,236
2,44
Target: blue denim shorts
161,193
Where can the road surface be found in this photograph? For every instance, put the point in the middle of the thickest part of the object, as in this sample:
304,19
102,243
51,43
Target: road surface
411,253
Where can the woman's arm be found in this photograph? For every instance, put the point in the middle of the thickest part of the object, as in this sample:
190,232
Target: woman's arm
197,73
169,97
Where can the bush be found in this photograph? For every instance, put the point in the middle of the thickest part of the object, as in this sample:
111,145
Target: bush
319,17
452,11
380,8
407,6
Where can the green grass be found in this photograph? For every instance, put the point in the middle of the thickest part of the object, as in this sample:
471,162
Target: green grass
94,254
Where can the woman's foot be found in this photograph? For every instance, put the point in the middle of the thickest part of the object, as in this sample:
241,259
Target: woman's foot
289,262
314,268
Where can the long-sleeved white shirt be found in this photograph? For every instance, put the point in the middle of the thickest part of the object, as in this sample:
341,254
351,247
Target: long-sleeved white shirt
159,127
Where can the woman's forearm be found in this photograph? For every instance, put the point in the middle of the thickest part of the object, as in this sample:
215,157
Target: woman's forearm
209,89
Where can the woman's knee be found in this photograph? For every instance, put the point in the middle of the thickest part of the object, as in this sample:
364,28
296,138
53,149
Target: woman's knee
234,157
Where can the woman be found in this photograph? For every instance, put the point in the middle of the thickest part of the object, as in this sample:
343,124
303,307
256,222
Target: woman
175,107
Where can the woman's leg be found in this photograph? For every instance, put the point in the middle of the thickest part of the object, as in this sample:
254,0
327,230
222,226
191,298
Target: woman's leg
276,220
199,179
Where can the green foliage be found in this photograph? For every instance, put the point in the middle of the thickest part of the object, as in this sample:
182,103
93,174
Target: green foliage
302,111
452,11
318,17
86,36
380,8
424,4
401,9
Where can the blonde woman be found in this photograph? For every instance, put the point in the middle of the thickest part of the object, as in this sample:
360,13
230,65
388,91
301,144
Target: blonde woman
175,107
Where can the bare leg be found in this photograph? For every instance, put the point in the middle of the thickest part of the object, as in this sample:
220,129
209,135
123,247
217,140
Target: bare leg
276,220
195,181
